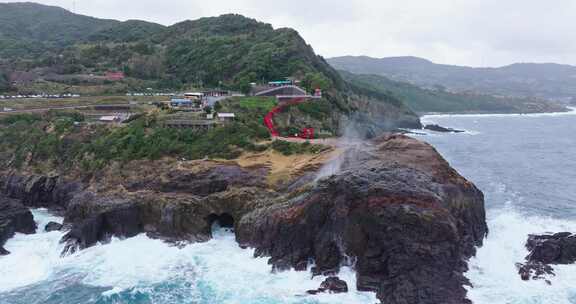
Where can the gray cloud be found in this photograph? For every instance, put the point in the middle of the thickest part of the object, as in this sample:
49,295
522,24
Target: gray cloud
469,32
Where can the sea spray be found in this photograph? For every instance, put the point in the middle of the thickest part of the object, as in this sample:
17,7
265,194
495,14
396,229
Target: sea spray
349,144
143,270
493,273
32,257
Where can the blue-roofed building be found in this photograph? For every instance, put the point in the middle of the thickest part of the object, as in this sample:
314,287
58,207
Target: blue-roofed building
181,103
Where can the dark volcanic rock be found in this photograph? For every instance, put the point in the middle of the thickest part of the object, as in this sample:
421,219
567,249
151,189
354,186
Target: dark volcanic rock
331,285
546,250
397,208
14,218
559,248
53,226
38,190
98,218
334,285
437,128
214,179
180,205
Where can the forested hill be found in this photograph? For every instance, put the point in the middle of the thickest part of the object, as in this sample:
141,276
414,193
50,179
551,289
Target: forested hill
539,80
30,29
53,49
440,100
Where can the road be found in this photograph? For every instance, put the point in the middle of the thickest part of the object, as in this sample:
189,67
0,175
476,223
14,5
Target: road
40,110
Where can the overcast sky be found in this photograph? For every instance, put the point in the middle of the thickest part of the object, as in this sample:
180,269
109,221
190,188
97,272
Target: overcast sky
463,32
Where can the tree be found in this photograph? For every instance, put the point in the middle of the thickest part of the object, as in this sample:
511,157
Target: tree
4,82
245,86
145,67
217,107
314,81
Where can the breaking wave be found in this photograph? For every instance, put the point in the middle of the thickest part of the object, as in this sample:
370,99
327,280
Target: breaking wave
143,270
493,272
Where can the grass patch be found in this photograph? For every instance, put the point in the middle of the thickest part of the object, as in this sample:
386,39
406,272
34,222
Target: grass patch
291,148
264,103
317,109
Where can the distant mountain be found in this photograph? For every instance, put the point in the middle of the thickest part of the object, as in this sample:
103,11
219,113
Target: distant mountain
441,101
546,80
32,28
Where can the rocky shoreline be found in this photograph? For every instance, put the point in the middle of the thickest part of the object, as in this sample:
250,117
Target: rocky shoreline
395,211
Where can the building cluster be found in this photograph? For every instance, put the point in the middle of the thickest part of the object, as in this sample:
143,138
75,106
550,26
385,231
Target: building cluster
197,101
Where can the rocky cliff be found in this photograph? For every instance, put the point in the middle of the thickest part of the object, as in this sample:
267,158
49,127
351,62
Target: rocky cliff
394,210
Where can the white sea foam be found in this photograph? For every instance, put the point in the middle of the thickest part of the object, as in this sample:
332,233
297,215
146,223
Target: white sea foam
427,133
33,257
572,111
218,271
493,272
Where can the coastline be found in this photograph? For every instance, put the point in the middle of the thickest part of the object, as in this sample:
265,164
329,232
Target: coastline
570,111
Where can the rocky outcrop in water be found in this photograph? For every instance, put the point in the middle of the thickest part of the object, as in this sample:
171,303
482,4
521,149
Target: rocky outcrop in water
53,226
546,250
98,218
406,218
438,128
14,218
331,285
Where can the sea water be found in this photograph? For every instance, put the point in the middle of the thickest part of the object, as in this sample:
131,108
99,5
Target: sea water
143,270
524,164
526,167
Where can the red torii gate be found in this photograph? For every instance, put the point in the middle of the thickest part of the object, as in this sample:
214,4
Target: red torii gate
306,133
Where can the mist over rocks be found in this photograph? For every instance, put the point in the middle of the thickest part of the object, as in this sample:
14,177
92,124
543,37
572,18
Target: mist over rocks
406,218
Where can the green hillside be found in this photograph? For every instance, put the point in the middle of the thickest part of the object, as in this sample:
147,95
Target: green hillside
28,29
440,100
229,51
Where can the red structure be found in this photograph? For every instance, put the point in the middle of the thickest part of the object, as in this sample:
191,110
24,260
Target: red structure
115,76
306,133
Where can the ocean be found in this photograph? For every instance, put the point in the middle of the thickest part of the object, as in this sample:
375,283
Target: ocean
524,164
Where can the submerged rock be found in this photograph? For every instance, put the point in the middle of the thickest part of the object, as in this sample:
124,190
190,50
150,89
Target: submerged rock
438,128
396,208
53,226
546,250
14,218
331,285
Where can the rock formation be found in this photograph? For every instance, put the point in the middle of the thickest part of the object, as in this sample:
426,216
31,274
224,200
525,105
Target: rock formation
438,128
396,211
331,285
53,226
14,218
546,250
